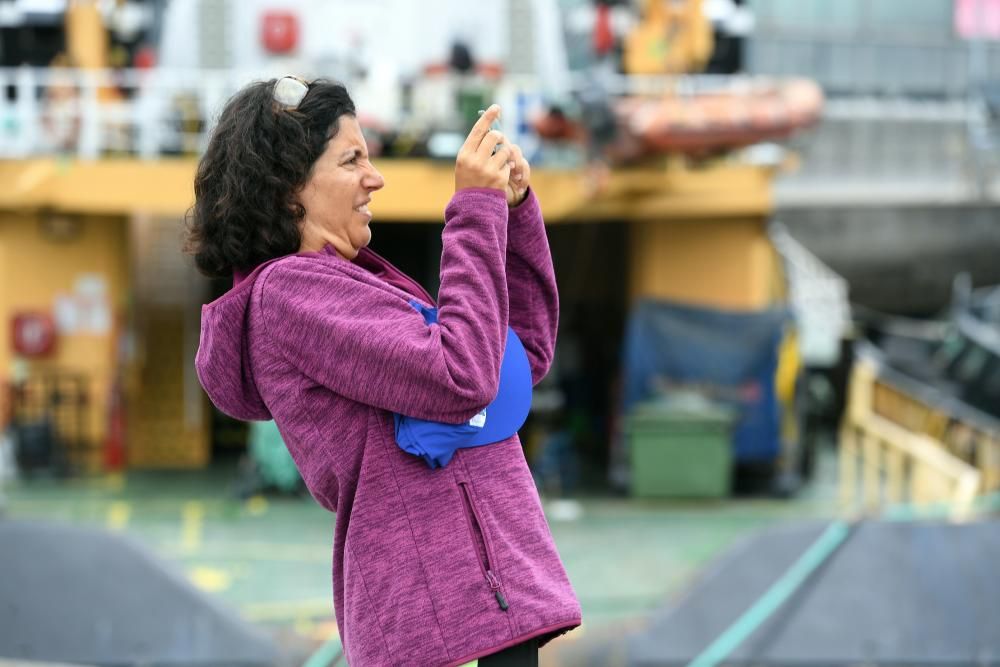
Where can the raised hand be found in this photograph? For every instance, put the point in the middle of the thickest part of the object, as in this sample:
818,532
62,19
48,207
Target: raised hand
477,166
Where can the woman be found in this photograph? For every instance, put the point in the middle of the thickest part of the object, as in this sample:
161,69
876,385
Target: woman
430,567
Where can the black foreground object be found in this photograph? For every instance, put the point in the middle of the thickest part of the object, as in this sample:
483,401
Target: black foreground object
70,594
895,594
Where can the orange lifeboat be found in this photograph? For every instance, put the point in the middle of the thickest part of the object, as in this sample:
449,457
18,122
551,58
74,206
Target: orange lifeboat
721,120
702,122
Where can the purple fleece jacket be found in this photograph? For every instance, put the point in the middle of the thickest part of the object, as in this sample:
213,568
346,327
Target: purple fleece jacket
424,561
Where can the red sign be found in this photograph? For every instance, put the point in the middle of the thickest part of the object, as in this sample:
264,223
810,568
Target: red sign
279,31
34,334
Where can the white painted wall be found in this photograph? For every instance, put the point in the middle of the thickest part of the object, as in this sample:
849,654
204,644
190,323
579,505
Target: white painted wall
403,34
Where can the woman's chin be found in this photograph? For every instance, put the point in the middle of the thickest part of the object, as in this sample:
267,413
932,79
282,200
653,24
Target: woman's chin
364,238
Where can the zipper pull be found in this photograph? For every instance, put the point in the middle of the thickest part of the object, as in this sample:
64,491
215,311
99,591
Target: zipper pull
495,587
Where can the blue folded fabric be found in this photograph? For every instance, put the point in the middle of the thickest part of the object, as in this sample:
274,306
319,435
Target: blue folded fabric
436,442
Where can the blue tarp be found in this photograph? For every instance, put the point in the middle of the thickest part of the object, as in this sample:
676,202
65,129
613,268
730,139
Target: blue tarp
730,357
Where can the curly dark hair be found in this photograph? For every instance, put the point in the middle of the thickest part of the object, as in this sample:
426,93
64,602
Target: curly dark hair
259,157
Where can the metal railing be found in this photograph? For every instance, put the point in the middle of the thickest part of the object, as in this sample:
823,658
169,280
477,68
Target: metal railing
882,463
849,65
900,447
863,148
162,112
90,113
153,113
887,47
872,150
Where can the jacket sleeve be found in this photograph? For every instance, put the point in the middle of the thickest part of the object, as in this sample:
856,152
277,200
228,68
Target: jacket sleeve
367,344
531,282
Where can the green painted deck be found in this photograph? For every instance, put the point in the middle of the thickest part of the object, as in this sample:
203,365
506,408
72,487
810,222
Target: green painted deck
269,557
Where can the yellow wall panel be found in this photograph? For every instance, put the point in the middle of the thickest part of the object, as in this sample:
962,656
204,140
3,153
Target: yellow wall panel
416,190
36,270
719,263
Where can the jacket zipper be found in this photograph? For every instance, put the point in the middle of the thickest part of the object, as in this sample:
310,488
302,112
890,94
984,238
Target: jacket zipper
482,548
495,587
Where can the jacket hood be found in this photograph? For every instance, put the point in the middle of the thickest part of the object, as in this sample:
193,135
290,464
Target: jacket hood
223,360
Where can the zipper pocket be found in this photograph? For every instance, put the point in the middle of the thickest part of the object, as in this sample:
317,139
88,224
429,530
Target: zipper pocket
482,548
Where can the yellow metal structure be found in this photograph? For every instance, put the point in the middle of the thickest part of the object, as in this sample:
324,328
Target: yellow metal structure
971,443
86,38
726,263
103,187
698,236
40,267
887,457
416,190
674,37
168,419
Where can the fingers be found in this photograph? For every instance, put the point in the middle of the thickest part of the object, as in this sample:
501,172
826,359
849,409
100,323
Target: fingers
502,156
504,175
520,170
491,141
524,172
482,168
488,159
515,153
481,129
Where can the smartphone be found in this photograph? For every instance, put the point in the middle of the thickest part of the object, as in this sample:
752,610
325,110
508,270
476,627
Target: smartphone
495,125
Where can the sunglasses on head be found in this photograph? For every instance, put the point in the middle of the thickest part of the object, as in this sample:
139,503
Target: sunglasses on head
289,91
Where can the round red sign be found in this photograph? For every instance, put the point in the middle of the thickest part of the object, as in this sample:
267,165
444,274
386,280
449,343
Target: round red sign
34,334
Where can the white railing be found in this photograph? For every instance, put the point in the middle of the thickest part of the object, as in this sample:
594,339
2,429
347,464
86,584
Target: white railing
153,113
897,150
818,297
149,114
146,113
945,150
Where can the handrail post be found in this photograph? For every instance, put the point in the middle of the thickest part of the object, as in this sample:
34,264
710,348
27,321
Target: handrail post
147,114
27,112
90,122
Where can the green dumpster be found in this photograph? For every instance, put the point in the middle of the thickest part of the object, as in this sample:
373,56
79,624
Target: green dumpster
680,450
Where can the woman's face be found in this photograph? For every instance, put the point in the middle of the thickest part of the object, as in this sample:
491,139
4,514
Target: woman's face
337,193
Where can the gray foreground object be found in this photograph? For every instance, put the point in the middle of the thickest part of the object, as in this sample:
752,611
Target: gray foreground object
892,594
70,594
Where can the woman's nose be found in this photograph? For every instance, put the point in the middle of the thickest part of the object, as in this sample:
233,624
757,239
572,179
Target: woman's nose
373,179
